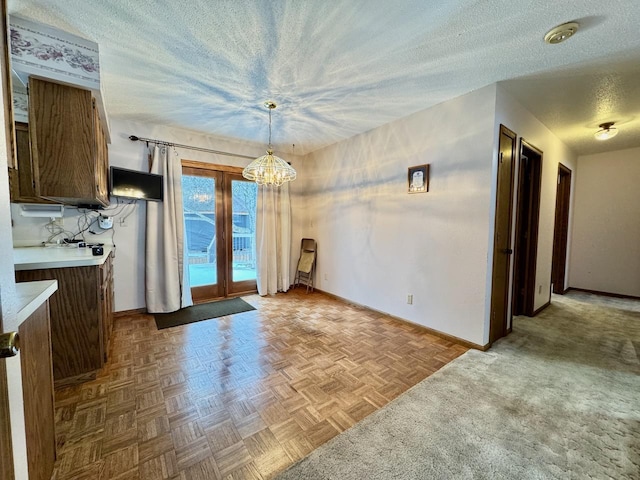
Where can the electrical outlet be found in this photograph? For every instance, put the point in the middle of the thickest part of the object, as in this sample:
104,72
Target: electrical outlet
59,221
410,299
539,289
123,222
326,277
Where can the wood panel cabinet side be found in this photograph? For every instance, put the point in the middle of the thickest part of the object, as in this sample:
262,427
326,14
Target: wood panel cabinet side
75,320
106,304
26,178
101,158
14,185
37,386
7,87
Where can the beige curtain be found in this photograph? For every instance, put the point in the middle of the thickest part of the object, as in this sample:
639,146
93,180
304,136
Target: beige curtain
167,276
273,238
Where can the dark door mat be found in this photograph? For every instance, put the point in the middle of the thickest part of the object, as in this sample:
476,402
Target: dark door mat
204,311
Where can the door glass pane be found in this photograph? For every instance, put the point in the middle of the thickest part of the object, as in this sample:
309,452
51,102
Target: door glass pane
199,204
244,201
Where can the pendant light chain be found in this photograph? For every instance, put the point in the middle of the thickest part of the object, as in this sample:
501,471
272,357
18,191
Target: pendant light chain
270,146
269,169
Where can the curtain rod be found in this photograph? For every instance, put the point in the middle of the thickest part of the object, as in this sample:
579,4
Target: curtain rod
134,138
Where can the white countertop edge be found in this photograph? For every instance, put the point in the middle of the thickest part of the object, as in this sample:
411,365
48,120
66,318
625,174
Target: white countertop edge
31,295
36,258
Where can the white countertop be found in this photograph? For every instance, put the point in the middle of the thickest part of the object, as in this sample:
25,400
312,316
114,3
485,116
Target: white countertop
36,258
30,295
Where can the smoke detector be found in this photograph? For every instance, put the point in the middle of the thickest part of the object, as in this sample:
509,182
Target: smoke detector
560,33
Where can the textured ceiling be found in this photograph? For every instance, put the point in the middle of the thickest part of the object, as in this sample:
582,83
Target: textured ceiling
338,68
574,101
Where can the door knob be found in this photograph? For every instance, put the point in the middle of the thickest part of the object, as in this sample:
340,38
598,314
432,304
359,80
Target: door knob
508,251
9,344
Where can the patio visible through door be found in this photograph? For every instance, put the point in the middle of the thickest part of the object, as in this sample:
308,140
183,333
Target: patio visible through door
220,218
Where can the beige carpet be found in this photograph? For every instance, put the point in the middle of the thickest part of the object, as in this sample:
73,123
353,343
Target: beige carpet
558,398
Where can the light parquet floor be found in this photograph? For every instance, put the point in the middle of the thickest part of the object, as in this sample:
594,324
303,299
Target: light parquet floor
238,397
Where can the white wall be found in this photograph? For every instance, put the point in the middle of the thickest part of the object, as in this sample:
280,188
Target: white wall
605,247
129,265
514,116
377,243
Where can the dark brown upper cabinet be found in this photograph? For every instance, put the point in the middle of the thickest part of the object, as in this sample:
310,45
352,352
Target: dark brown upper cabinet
69,157
23,179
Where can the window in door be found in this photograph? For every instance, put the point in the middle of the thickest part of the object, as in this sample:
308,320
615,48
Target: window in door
220,218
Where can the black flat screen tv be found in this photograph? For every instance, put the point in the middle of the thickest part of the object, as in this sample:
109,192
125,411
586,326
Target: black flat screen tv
133,184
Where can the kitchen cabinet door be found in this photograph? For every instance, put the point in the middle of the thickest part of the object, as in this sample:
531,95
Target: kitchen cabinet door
67,144
37,385
76,322
24,179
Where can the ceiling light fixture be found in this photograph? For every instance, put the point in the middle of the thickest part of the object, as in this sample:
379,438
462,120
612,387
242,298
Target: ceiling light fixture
606,131
560,33
269,169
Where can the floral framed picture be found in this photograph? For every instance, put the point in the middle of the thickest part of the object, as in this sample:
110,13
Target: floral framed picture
418,179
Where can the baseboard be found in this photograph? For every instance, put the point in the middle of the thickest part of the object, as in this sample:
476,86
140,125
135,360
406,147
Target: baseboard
126,313
431,331
138,311
604,294
536,312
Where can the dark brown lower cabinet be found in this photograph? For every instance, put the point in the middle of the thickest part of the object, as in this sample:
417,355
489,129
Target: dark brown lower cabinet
106,303
37,388
81,319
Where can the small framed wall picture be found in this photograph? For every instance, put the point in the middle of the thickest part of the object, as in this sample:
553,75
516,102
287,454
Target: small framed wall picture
419,178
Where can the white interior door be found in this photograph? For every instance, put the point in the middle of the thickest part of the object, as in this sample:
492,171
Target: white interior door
11,403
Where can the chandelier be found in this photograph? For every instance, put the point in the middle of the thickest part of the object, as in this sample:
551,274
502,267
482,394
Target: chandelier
269,169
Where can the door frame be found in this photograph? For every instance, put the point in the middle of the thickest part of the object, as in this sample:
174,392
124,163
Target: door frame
498,327
527,221
6,444
561,229
225,288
